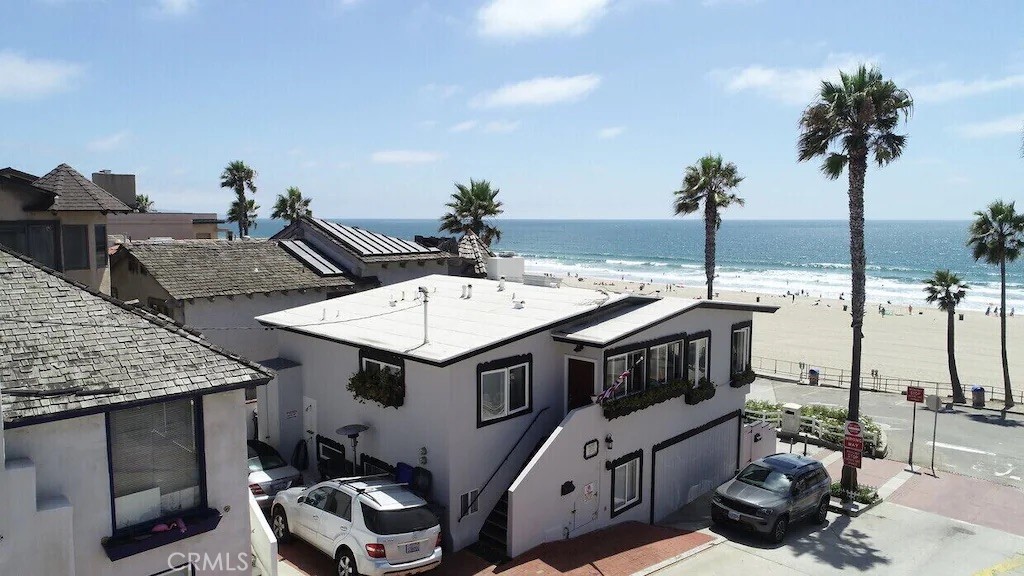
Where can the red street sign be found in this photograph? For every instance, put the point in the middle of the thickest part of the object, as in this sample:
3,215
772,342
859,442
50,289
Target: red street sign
915,394
851,457
852,428
853,443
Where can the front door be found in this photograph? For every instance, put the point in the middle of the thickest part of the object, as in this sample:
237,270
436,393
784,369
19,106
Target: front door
581,383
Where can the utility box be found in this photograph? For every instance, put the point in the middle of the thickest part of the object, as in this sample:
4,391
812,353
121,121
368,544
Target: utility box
933,403
791,418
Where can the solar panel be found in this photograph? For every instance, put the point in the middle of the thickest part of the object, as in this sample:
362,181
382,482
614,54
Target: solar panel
366,243
310,257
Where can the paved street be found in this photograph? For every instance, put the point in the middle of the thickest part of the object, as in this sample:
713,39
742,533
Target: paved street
983,444
889,539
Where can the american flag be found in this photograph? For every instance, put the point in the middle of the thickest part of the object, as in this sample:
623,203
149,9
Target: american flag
614,389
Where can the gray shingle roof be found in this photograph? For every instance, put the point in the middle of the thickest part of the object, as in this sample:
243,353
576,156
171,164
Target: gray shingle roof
368,246
76,192
207,268
66,350
474,251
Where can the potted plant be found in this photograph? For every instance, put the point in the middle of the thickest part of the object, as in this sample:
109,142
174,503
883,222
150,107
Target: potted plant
703,390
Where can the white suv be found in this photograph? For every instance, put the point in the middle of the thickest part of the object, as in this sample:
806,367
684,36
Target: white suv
369,525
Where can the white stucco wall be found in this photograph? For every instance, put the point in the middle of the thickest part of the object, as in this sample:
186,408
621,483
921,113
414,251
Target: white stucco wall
70,458
394,272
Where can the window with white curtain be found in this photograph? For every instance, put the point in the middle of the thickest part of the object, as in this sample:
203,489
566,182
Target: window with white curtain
698,360
627,484
740,349
504,392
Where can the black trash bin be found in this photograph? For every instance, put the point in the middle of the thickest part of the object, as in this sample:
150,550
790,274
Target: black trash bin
812,377
978,396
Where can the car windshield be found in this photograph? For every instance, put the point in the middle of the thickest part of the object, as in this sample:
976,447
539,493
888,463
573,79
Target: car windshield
264,458
764,477
398,521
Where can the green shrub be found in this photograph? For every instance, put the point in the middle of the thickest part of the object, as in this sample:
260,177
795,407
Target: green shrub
649,397
763,406
864,495
384,387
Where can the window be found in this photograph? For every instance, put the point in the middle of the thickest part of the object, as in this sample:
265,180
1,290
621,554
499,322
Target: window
154,461
100,230
468,503
339,504
503,388
374,366
401,521
38,241
665,363
698,359
76,246
626,487
616,366
318,498
740,349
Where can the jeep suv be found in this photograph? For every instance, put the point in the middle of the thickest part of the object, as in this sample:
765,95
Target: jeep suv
771,493
370,525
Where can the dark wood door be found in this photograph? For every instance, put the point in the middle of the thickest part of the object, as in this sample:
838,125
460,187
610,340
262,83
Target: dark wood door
581,383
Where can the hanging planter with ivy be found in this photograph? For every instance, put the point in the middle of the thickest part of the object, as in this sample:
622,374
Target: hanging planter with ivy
649,397
699,392
742,378
384,387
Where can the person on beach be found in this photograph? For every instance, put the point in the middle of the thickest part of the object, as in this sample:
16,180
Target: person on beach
910,309
988,311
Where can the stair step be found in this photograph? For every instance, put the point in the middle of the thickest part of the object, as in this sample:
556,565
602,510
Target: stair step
495,532
500,515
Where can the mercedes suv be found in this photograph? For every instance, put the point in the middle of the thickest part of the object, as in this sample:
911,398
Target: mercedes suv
773,492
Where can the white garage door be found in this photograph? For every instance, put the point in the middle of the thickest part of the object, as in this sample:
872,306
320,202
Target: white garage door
688,469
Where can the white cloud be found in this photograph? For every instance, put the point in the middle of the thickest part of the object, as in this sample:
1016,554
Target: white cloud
610,132
442,91
1013,124
501,126
788,85
463,126
540,91
531,18
174,8
405,157
22,77
108,143
956,89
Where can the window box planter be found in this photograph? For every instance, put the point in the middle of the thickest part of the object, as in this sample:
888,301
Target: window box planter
649,397
743,378
697,393
384,387
140,539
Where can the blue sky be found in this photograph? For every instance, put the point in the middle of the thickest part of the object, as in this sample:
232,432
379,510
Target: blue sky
574,108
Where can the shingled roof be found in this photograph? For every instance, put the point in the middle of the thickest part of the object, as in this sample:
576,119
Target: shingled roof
67,351
363,245
473,250
208,268
76,192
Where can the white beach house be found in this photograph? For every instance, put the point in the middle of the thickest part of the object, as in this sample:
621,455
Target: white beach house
487,392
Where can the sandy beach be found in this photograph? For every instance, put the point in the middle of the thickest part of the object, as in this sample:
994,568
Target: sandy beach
899,345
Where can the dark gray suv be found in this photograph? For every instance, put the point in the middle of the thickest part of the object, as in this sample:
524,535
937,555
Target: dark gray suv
773,492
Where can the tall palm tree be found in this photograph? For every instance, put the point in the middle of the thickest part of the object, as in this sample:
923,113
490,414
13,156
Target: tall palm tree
142,203
291,206
847,123
997,235
470,209
947,290
243,210
708,181
240,177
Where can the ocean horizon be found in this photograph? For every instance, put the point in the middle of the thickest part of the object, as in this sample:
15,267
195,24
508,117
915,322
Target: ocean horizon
761,256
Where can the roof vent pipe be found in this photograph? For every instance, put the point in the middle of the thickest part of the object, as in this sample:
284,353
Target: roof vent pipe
501,284
463,292
426,298
469,291
518,304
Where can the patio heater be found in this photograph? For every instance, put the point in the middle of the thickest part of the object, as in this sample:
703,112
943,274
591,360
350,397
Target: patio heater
352,431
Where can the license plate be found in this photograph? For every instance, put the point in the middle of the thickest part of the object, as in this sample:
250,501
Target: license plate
734,515
414,547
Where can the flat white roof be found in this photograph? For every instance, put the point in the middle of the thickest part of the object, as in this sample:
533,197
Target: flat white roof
456,326
603,329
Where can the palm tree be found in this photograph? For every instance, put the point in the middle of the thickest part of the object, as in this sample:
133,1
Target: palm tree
708,181
947,290
469,210
239,177
142,203
291,206
997,235
846,123
243,210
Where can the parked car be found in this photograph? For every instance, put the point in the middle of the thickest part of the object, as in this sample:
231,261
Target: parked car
771,493
269,473
370,525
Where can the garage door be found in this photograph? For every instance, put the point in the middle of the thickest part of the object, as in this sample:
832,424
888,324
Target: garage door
693,463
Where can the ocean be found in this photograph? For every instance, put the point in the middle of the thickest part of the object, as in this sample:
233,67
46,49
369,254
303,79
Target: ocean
763,256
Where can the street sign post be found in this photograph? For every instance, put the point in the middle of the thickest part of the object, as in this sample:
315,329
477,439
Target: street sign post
853,444
915,395
851,457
